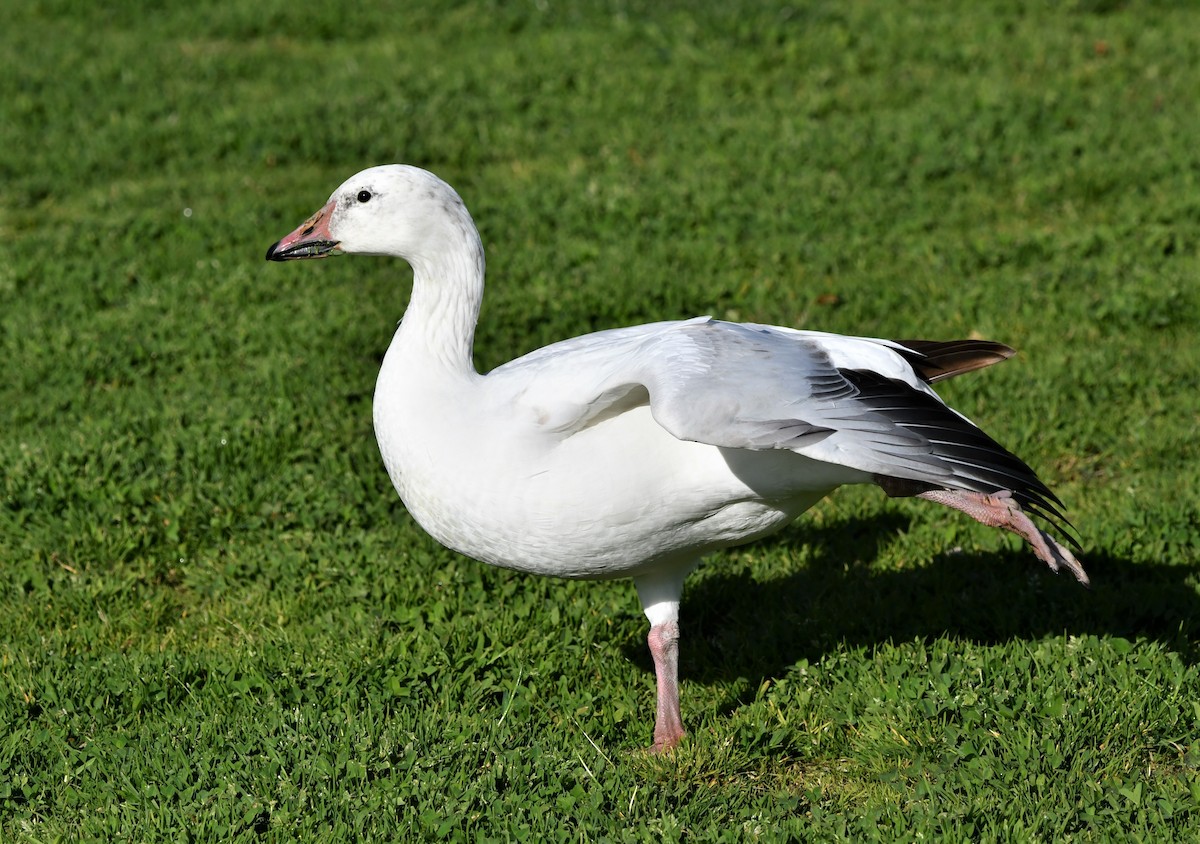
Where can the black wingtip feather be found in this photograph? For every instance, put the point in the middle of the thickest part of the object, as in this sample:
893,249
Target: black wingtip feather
935,360
976,461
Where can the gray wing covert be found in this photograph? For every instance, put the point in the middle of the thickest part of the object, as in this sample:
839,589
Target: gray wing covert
739,386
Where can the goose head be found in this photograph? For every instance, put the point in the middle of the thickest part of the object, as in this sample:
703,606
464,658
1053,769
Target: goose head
394,210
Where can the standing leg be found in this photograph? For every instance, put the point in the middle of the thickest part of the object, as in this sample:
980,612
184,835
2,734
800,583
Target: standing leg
668,723
659,594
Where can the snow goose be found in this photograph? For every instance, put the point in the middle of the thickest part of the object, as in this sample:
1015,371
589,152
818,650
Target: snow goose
634,452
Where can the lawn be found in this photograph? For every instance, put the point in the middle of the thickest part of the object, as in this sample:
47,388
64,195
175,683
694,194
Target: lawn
217,621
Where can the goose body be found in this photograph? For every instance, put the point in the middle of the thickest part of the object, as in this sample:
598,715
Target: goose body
561,468
633,452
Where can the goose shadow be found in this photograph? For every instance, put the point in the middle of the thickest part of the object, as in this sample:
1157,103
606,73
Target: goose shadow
734,626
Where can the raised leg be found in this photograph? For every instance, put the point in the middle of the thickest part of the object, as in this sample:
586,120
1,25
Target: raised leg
999,509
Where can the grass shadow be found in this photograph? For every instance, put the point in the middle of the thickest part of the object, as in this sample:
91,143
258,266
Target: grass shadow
734,626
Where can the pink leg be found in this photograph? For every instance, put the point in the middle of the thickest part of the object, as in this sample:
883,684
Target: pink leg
1000,510
664,647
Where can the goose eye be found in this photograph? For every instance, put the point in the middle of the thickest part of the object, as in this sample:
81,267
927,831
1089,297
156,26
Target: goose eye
364,195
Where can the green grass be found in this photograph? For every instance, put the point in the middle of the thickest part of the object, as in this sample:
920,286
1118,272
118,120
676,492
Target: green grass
218,623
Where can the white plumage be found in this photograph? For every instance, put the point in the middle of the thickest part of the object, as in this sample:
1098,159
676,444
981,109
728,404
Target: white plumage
633,452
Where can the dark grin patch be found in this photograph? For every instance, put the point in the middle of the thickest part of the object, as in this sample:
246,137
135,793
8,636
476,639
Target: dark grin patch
303,249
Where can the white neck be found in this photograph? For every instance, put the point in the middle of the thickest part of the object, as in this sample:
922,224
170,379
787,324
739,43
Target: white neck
438,329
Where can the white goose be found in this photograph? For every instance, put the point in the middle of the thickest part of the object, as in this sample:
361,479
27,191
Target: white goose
634,452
